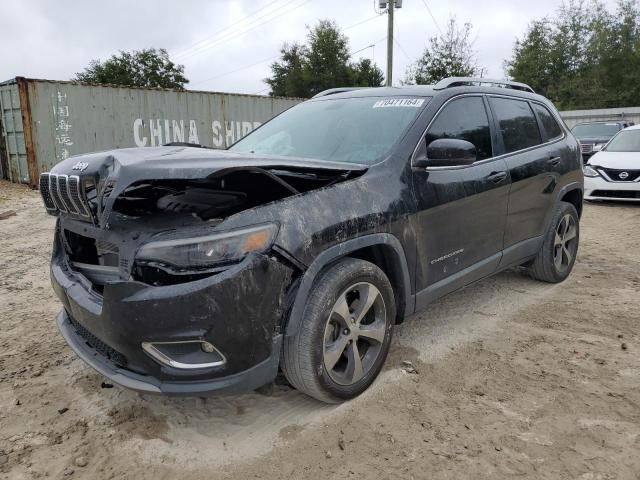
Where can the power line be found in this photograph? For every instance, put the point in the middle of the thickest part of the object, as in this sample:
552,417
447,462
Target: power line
368,46
397,42
236,70
252,25
404,52
202,47
361,22
186,49
432,17
199,82
229,32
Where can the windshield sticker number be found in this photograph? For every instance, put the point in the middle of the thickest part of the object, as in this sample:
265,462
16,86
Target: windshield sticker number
399,102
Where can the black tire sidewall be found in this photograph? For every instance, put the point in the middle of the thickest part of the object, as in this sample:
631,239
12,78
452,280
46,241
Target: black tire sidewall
327,293
564,208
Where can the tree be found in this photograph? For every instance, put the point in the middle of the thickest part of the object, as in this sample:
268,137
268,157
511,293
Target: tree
448,55
365,73
289,75
585,57
324,62
327,59
143,68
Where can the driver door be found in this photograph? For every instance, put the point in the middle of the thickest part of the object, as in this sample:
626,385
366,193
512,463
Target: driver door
461,209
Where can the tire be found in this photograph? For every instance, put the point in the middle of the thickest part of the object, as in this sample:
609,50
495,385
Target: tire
556,257
320,359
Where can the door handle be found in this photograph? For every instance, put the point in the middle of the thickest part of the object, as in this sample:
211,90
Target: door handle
553,161
497,177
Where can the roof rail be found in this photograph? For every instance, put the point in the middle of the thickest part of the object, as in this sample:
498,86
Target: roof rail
466,81
333,91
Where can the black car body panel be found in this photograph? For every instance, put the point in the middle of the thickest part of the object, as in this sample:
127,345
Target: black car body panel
433,230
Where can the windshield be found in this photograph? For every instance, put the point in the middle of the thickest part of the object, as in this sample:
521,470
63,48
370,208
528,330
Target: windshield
355,130
625,141
597,130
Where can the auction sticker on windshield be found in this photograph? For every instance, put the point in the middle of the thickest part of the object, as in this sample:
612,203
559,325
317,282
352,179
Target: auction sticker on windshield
399,102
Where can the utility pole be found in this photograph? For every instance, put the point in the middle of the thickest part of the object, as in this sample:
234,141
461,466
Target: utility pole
390,5
390,9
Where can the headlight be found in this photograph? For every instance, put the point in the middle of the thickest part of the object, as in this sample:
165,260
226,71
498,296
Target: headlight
598,146
219,248
589,171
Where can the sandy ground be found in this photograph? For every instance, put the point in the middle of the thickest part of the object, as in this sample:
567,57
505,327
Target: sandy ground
515,378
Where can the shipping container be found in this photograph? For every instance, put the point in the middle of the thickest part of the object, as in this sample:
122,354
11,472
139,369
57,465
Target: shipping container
574,117
43,121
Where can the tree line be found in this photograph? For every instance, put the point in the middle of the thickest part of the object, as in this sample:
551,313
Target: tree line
583,56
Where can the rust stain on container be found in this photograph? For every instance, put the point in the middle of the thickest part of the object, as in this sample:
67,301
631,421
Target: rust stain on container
32,164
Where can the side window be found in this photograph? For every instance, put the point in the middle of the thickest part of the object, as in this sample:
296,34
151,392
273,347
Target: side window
517,123
464,119
549,124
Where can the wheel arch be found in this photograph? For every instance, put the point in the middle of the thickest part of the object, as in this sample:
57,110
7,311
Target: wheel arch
381,249
573,195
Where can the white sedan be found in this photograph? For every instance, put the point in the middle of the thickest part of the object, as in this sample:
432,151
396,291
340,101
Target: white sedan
614,172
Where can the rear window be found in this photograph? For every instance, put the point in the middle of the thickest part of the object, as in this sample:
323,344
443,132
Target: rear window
517,124
549,124
596,130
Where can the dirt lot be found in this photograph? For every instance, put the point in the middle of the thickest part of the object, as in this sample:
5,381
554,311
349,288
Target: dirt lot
514,379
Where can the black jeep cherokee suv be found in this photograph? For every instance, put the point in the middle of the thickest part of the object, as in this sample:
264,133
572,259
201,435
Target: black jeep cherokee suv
187,270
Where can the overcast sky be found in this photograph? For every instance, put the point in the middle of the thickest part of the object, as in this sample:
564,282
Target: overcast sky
228,45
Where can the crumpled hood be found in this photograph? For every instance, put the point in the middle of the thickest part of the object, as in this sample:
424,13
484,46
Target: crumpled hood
616,160
112,171
181,162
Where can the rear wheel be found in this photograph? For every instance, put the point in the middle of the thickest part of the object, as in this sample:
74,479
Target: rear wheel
346,332
557,255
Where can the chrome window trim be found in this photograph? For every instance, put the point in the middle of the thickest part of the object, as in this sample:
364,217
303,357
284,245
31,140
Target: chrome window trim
491,159
157,355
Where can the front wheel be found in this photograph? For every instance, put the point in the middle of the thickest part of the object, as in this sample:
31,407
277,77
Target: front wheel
345,335
556,257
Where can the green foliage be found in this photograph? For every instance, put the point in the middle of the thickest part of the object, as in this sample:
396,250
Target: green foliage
448,55
143,68
324,62
289,75
584,57
365,73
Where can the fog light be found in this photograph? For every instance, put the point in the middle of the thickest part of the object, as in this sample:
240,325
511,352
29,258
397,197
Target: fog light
186,354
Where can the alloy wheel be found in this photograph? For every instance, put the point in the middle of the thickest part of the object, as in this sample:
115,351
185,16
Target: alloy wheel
354,333
565,243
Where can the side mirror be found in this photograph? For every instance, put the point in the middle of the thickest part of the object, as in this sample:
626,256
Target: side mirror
447,152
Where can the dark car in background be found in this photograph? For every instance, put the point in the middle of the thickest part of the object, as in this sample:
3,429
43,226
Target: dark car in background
189,271
595,135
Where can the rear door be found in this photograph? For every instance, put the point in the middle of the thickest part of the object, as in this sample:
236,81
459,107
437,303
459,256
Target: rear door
461,210
533,165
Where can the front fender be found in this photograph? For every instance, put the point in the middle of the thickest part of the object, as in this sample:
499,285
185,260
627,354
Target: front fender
296,315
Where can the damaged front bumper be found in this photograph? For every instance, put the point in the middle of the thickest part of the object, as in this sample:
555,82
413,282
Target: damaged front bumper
237,311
